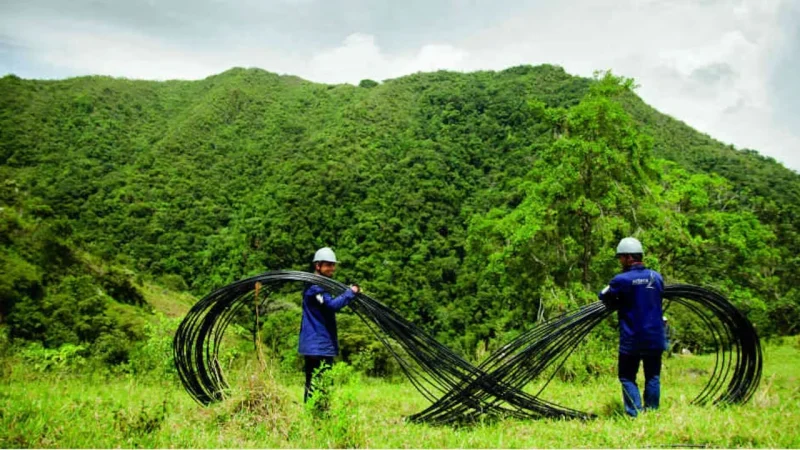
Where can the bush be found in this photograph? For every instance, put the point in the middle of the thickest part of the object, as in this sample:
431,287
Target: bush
334,404
153,355
279,333
119,285
112,348
594,357
66,357
173,282
360,347
5,342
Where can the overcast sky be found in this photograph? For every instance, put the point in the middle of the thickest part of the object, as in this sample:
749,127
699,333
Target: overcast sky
729,68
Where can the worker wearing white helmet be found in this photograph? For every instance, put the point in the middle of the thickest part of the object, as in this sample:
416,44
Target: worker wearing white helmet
319,341
636,294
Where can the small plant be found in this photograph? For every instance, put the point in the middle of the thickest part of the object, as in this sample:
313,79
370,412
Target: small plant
138,423
68,356
335,407
263,403
154,354
364,361
259,402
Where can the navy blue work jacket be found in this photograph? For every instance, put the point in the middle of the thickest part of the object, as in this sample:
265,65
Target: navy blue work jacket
637,296
318,336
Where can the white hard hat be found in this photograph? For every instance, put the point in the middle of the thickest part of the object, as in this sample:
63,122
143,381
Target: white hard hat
324,254
629,246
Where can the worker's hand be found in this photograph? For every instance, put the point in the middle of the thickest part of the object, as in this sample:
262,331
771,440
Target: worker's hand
355,288
610,302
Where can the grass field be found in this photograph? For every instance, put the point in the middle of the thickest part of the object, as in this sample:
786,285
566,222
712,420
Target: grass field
60,408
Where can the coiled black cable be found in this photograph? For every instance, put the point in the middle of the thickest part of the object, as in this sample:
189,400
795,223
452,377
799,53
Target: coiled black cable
458,390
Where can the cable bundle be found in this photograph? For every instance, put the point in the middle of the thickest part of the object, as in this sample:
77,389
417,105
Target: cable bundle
738,362
458,390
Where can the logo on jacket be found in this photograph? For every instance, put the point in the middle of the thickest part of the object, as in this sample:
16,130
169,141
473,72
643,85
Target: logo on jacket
651,284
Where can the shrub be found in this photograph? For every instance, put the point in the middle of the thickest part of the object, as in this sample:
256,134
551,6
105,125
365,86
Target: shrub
119,285
334,404
153,355
173,282
67,356
367,83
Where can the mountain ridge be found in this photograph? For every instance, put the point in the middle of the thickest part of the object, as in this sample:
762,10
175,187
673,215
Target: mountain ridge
412,180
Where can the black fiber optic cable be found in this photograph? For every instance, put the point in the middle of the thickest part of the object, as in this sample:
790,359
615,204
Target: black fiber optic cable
458,390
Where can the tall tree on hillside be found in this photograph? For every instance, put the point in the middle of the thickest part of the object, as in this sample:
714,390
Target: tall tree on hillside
588,186
596,169
583,190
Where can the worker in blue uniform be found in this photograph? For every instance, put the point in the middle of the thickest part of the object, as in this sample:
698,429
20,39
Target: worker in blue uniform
636,294
319,341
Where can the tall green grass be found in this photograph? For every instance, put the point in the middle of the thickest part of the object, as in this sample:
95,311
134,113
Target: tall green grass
77,406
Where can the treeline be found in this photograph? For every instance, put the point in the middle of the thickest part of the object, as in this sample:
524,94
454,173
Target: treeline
474,204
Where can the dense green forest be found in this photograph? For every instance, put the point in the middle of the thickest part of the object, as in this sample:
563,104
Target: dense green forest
472,203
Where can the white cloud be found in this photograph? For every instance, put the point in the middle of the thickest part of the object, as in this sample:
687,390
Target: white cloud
435,57
89,48
357,57
672,49
86,47
360,57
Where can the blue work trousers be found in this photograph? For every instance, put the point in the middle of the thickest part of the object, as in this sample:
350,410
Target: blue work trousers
627,369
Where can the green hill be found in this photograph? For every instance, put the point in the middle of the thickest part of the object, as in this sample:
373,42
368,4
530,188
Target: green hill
472,203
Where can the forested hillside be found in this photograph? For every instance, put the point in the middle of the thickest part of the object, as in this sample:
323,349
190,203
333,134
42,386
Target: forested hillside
474,204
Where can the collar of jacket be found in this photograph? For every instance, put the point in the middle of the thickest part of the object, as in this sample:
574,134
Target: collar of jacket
636,266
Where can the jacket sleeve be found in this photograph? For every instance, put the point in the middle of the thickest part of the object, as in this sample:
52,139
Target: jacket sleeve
610,294
326,300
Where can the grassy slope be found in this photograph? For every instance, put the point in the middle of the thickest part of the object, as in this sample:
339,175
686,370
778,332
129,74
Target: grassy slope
167,302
